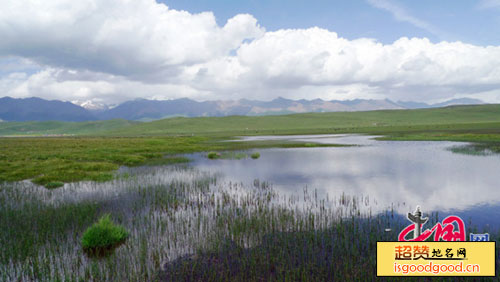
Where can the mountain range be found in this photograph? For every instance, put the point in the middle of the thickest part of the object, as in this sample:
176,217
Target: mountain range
37,109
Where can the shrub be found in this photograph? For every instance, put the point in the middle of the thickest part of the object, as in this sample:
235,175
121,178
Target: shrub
255,155
213,155
103,235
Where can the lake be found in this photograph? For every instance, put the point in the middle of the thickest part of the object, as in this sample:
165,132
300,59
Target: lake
386,175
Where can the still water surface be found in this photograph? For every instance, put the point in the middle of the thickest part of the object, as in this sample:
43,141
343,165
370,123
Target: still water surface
391,174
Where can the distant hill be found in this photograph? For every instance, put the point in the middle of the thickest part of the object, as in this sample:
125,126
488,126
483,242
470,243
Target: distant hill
36,109
151,109
452,102
462,101
142,109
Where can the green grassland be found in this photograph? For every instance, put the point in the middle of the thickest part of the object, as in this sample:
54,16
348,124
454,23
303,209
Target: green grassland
55,160
49,160
34,128
99,148
484,117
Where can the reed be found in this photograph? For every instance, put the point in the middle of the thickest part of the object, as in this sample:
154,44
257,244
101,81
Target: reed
184,224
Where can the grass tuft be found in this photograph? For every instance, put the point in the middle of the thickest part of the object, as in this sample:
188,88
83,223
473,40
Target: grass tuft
103,235
213,155
255,155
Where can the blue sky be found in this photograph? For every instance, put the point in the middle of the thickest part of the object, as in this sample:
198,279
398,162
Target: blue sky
464,20
110,51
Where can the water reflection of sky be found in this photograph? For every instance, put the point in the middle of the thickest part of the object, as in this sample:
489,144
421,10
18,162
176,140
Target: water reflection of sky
389,172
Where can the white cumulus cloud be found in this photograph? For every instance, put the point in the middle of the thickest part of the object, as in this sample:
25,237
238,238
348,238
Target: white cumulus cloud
117,36
114,50
290,59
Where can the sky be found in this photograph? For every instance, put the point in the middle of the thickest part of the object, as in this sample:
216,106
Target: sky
111,51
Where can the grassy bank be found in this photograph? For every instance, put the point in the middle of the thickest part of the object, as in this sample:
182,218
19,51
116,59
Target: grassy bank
54,161
51,160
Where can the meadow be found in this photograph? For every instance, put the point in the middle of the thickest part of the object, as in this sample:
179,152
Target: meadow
54,161
184,224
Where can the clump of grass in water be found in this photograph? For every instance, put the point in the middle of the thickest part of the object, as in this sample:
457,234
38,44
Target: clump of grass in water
102,237
227,155
255,155
472,149
213,155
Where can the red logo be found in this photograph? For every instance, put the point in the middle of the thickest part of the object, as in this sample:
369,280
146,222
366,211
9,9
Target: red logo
445,231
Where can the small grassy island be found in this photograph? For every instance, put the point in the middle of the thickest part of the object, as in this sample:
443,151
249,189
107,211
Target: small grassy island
102,237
